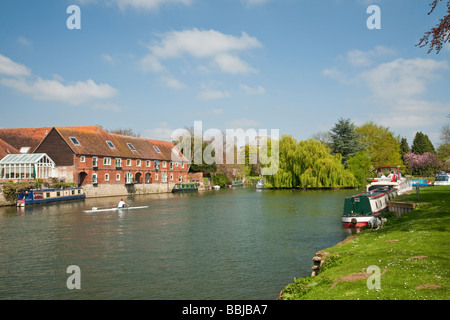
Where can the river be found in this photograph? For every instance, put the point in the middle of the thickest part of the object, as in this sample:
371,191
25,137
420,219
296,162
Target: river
234,244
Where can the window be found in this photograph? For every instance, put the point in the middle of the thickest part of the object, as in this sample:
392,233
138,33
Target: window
171,177
118,162
156,177
106,176
94,161
157,149
94,178
110,144
164,177
128,162
180,178
118,177
47,195
171,166
138,163
129,178
82,159
107,161
164,164
75,141
149,163
131,147
182,165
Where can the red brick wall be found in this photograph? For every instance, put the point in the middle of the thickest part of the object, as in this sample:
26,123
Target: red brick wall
139,172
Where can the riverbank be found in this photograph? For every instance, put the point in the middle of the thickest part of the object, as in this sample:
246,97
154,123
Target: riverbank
405,260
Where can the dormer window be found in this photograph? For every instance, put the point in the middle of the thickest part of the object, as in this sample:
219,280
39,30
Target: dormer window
131,147
75,141
110,144
156,149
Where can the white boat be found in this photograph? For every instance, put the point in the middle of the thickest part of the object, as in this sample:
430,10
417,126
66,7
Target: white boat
216,187
391,178
94,209
442,180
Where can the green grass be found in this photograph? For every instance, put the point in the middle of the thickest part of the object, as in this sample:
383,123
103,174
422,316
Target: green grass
413,249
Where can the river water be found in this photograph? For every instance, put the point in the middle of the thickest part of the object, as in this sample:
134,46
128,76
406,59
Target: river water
217,245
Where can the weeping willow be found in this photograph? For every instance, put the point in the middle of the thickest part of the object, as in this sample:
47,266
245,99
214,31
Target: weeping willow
308,164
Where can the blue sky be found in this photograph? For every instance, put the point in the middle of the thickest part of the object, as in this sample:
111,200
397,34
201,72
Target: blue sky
158,65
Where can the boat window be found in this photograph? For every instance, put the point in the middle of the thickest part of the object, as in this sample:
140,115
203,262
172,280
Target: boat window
442,178
58,193
47,195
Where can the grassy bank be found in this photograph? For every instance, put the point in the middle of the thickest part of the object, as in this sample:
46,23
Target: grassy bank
410,252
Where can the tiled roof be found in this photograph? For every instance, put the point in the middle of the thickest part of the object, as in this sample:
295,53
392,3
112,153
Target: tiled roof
6,148
94,141
24,137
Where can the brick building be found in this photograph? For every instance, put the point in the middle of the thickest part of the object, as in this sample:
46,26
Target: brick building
89,155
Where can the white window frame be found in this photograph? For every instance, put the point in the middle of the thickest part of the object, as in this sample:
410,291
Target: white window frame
82,158
106,161
106,177
128,162
117,176
138,162
164,165
149,163
118,162
94,178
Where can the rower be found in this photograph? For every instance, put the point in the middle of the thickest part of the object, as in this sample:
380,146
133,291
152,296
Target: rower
122,204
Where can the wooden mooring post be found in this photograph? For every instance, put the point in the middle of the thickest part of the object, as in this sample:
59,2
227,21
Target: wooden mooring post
400,207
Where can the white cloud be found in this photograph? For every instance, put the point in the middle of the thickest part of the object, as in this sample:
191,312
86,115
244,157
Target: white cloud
252,3
162,132
24,41
51,90
54,90
108,58
365,58
171,82
219,48
11,68
402,78
151,63
136,4
211,94
253,91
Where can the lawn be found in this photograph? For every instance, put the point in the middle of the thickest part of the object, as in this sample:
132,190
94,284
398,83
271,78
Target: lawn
410,256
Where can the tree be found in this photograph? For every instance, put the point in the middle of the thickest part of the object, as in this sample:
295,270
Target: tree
440,34
124,132
345,139
308,164
360,165
382,146
404,147
422,144
423,164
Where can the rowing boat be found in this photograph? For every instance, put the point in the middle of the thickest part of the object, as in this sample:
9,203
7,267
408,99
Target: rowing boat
113,209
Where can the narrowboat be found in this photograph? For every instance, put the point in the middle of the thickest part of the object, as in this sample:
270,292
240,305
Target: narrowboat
360,208
38,196
185,187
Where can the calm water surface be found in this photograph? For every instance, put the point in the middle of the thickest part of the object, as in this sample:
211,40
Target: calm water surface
228,244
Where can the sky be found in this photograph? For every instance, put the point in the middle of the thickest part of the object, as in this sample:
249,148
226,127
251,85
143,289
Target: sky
158,65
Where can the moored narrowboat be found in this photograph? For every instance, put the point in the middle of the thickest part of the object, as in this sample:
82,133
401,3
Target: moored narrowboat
360,208
185,187
39,196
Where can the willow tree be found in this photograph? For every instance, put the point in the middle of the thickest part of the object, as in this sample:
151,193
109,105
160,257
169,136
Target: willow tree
308,164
